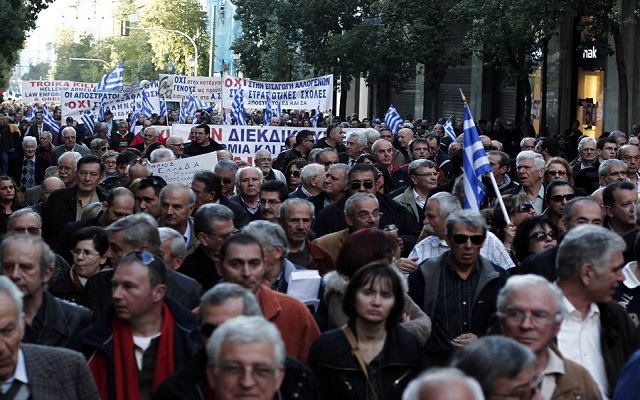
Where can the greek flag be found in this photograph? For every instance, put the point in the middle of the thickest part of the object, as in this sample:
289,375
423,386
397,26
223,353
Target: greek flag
237,108
393,119
87,120
103,109
147,107
134,116
279,111
448,129
268,112
475,162
113,80
315,117
163,109
200,105
48,119
32,114
183,112
227,118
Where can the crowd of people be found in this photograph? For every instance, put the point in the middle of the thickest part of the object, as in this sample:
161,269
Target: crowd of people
117,285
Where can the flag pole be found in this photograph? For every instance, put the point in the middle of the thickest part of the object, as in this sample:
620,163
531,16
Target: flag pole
505,214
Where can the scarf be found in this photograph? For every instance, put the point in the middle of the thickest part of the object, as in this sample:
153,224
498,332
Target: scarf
124,368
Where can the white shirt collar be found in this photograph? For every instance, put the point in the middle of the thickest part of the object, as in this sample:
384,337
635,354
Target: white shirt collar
594,311
20,373
630,279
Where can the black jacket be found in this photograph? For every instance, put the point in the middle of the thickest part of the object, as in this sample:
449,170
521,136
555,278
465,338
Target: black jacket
241,219
62,322
339,374
190,382
200,267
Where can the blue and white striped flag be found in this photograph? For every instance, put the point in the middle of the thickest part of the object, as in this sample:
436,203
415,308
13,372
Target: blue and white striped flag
475,162
183,112
268,113
48,119
448,129
87,120
316,116
32,113
137,108
393,119
279,112
113,80
226,116
147,107
103,109
200,104
237,108
163,109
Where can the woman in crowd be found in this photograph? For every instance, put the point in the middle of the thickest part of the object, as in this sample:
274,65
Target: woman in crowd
534,235
10,200
556,195
352,256
292,173
557,168
518,208
89,247
372,356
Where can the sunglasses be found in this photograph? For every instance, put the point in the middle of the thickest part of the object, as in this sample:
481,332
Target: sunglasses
153,181
541,236
295,174
355,185
560,197
141,161
226,181
462,239
524,208
105,148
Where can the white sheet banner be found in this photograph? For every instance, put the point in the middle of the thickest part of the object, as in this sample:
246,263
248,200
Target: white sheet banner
40,91
300,95
180,87
244,141
183,169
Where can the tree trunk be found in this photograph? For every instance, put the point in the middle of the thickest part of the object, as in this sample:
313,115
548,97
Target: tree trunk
623,95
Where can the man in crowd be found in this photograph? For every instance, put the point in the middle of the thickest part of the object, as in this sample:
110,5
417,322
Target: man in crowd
587,178
405,136
530,171
424,178
305,140
262,160
227,170
48,186
172,247
619,201
588,151
248,181
176,144
443,384
68,144
148,196
356,143
312,177
207,187
333,139
150,137
334,187
611,171
121,139
38,126
383,153
272,194
630,154
203,142
176,203
397,158
27,169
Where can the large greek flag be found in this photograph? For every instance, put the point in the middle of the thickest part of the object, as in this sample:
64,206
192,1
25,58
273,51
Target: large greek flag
113,80
268,112
393,119
48,119
475,162
237,108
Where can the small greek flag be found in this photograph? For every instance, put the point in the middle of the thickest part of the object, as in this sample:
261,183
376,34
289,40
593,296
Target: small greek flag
279,111
113,80
268,112
315,117
87,120
393,119
163,109
183,112
237,108
147,107
48,119
448,129
134,116
200,105
475,162
32,114
103,109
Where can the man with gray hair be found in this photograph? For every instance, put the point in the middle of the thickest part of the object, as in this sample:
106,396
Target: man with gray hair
443,384
212,224
176,145
248,181
177,201
227,170
161,155
208,188
372,135
597,332
312,177
172,247
630,154
530,311
150,136
35,195
33,371
27,169
530,167
68,136
356,143
470,282
438,208
611,171
588,152
67,167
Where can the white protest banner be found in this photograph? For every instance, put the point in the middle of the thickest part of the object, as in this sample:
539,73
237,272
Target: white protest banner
183,169
180,87
51,91
244,141
299,95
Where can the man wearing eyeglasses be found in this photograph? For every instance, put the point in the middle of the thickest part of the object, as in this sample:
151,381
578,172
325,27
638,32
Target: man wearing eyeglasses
176,144
530,311
424,178
587,178
588,152
262,159
305,140
272,194
69,144
66,205
148,336
38,127
457,289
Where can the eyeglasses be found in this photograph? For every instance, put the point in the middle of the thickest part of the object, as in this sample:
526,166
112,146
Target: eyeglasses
84,253
271,202
65,168
560,197
355,185
537,317
462,239
177,144
105,148
259,372
541,236
223,236
32,230
558,172
364,216
68,137
588,150
226,181
295,174
524,208
141,161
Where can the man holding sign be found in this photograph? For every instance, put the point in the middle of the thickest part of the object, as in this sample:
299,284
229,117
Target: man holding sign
203,143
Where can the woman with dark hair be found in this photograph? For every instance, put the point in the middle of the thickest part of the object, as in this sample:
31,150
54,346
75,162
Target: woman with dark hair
384,181
518,208
534,235
10,200
556,195
89,247
372,356
366,158
292,173
352,256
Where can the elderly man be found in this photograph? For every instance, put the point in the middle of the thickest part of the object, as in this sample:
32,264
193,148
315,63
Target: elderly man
597,332
138,232
227,170
32,371
443,384
619,201
312,177
48,186
470,281
207,187
587,178
27,169
397,158
630,154
383,153
262,160
424,178
530,167
121,139
305,140
161,155
69,144
611,171
438,208
588,151
29,263
176,144
531,311
272,194
296,216
172,247
203,142
212,224
66,205
148,337
527,143
248,180
176,202
405,136
150,137
356,143
242,261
